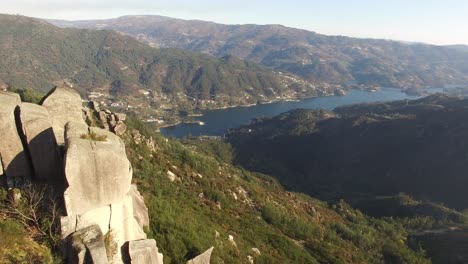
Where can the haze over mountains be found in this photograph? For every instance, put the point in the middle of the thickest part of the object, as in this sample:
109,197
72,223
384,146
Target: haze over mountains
315,57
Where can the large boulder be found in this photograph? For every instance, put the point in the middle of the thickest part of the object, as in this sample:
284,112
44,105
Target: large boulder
41,143
116,219
203,258
97,170
15,163
144,252
120,128
87,246
103,119
123,225
94,106
100,216
120,116
122,222
64,105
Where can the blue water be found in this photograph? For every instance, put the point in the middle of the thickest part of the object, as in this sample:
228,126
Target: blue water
218,121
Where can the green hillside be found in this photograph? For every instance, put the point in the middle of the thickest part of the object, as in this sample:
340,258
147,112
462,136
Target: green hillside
416,147
210,200
114,68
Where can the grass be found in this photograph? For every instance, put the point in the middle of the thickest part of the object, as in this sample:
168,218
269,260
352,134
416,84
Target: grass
93,136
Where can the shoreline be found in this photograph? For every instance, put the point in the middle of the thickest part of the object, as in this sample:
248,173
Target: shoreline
188,119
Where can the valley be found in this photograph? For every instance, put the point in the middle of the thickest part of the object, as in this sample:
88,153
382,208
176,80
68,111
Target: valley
150,139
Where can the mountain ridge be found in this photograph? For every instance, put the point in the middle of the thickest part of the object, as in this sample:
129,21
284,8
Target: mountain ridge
75,22
120,71
323,59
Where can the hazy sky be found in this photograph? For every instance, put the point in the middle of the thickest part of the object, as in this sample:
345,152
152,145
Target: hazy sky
431,21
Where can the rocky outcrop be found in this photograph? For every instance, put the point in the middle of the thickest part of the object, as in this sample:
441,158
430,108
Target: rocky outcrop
123,224
120,128
144,251
40,142
97,171
15,163
108,120
203,258
99,190
140,139
104,214
120,117
64,105
94,106
87,246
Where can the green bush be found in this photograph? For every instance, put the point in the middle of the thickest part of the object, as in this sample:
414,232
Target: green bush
289,224
17,247
93,136
3,196
28,95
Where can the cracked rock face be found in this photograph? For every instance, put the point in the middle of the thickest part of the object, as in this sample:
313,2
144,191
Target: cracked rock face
40,141
87,246
15,164
99,190
98,172
99,198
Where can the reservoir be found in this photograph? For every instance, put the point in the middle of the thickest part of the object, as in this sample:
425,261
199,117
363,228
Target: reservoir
216,122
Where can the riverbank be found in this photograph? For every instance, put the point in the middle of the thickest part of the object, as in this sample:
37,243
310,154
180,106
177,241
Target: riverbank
218,121
189,119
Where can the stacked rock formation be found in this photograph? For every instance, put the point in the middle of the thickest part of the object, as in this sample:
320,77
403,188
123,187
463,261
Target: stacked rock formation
111,121
99,199
51,143
99,190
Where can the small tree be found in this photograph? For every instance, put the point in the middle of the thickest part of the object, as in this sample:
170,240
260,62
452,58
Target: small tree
38,209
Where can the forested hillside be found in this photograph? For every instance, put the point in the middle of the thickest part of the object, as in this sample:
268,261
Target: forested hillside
119,70
417,147
319,58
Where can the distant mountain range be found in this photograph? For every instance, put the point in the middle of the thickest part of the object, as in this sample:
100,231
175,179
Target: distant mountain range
318,58
122,71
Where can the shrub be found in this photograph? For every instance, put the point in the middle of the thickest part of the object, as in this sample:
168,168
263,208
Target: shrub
28,95
94,137
17,247
38,211
111,245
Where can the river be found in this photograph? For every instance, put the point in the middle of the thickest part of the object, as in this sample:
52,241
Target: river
216,122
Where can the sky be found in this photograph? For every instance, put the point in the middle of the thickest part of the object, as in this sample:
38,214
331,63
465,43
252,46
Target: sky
440,22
